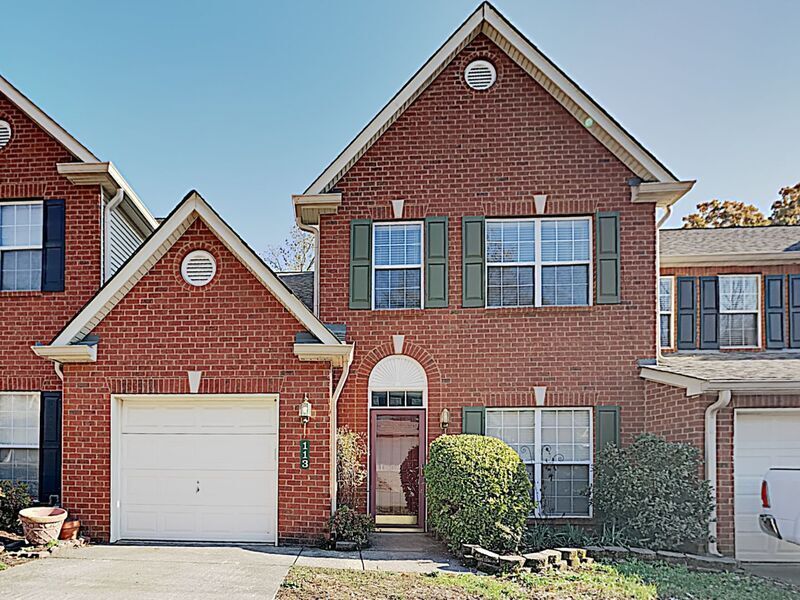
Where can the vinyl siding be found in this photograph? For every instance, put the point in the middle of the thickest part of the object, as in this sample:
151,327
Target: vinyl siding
125,239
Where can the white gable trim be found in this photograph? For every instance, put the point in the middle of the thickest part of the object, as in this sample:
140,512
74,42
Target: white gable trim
55,130
487,20
192,207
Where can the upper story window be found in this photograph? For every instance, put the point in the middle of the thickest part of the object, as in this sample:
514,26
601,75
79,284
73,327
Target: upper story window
538,262
665,312
739,301
397,255
21,246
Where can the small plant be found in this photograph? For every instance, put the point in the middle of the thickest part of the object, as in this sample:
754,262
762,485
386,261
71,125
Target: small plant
347,525
478,492
13,498
351,472
541,535
651,494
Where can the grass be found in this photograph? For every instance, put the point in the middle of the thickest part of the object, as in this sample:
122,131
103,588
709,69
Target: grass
631,580
3,566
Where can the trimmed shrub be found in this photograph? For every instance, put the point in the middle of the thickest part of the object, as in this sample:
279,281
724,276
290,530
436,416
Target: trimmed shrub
478,492
348,525
650,494
13,498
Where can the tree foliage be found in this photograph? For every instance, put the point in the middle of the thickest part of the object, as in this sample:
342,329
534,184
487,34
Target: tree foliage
728,213
351,474
295,253
786,210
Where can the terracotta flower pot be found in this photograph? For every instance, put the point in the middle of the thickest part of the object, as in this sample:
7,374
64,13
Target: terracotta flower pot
42,524
69,530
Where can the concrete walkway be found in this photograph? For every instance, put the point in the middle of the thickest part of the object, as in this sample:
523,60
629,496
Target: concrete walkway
176,572
786,572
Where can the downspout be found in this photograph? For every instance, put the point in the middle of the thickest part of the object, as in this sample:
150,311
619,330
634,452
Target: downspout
722,401
110,205
59,369
659,223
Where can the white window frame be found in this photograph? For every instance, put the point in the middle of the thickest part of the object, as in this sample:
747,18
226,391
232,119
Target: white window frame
537,449
12,248
757,277
537,263
671,311
420,266
37,445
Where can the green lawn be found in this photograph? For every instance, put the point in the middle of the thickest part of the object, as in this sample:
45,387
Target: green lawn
628,580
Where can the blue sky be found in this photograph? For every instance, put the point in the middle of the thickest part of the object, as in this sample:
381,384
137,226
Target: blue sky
248,101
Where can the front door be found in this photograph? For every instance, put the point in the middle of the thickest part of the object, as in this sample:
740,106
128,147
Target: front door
397,453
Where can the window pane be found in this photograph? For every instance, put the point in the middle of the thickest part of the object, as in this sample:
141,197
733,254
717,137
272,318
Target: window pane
565,240
665,294
22,270
378,398
510,241
565,490
565,286
21,465
414,399
398,244
19,438
510,286
738,293
397,288
515,428
738,330
21,225
565,436
397,398
665,321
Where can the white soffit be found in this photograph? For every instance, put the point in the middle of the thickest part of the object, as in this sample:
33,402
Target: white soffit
192,207
487,20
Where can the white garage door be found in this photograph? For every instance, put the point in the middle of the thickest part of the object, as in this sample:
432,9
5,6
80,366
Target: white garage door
762,440
202,470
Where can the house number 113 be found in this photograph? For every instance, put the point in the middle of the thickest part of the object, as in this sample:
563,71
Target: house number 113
305,454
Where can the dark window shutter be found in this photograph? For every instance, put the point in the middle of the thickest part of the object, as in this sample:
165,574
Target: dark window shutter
474,260
608,278
709,313
50,448
473,420
687,314
436,262
53,246
361,264
607,423
794,311
775,311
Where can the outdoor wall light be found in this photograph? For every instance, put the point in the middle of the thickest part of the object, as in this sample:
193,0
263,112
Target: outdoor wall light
444,419
305,410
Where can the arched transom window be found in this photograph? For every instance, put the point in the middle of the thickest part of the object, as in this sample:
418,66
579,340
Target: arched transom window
398,382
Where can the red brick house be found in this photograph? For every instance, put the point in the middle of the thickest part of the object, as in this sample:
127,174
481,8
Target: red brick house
728,379
478,241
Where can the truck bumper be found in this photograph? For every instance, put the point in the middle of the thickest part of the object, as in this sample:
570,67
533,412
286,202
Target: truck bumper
769,526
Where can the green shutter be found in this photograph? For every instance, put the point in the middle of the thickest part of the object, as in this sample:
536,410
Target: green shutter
608,279
607,425
360,264
473,420
473,256
436,262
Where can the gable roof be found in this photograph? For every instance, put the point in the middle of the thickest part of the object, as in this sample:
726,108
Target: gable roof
192,207
487,20
731,245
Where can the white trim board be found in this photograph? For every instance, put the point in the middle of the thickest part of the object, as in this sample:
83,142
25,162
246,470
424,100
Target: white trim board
192,207
487,20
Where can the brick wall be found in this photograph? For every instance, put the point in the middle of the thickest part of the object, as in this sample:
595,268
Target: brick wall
458,152
234,331
28,171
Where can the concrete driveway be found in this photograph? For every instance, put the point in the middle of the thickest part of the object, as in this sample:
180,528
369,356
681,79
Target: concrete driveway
152,572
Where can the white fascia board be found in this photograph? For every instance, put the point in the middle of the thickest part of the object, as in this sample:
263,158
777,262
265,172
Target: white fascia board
598,115
730,260
79,353
309,207
693,386
337,354
107,175
38,116
661,193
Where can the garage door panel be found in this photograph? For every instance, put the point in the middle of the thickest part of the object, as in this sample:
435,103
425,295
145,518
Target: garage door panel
763,440
205,471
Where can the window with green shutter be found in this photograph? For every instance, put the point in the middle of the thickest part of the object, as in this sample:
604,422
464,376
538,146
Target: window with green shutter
608,258
436,262
360,264
473,261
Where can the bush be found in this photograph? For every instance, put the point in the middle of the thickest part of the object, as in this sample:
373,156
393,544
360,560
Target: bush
651,494
478,492
347,525
13,498
351,452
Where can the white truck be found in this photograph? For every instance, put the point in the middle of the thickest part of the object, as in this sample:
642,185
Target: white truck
780,502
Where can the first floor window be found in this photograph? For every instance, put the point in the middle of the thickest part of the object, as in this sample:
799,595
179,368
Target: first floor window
21,246
665,311
738,311
19,439
556,446
397,253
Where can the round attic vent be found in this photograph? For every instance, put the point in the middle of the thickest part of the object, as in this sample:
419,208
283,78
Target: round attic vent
198,268
480,75
5,133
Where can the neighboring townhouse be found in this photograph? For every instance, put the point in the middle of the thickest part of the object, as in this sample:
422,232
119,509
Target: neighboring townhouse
728,379
67,222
